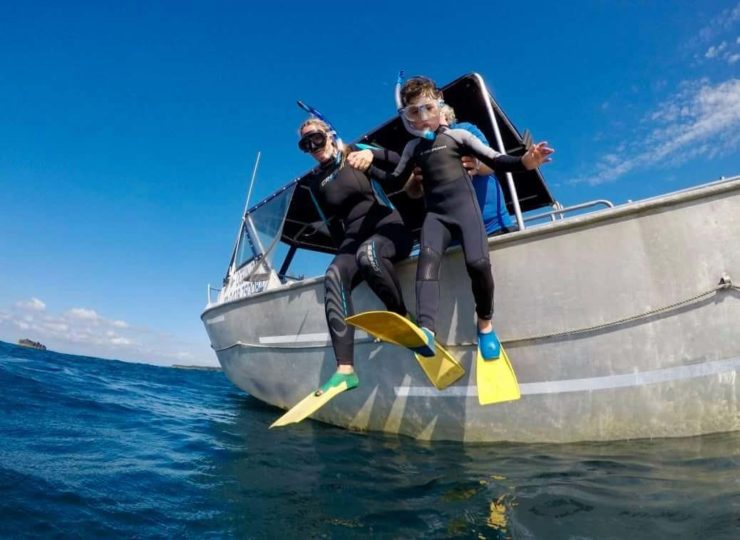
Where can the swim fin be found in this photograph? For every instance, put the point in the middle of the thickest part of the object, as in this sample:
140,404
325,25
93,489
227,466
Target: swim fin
496,379
337,384
442,369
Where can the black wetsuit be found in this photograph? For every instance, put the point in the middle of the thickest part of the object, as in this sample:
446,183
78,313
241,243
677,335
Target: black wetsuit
370,237
452,213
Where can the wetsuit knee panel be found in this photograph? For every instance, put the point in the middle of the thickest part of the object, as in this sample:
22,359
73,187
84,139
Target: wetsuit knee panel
429,261
480,267
367,257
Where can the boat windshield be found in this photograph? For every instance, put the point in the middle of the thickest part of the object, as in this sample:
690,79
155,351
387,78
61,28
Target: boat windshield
261,229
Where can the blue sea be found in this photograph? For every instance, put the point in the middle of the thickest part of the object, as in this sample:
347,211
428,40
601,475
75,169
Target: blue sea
94,448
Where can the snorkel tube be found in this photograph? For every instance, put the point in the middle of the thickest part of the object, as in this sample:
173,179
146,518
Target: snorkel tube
332,132
424,134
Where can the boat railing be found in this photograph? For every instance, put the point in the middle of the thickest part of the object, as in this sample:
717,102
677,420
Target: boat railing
209,298
559,210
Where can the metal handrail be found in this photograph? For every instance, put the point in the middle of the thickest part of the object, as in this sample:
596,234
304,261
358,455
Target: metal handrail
208,294
561,210
500,142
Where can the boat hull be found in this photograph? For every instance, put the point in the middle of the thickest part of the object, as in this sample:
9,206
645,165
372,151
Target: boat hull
578,305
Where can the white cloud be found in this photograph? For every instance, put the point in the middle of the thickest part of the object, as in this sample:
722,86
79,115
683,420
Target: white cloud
82,330
34,304
701,119
83,314
731,59
719,24
713,51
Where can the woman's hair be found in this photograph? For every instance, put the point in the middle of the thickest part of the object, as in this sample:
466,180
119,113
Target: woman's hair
313,121
419,86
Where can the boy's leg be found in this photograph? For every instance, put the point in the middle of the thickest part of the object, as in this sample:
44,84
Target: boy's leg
478,264
435,237
338,283
375,260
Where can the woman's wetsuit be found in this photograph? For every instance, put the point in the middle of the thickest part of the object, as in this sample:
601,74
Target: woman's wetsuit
370,238
452,213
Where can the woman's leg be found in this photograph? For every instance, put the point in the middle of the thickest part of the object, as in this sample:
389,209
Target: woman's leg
375,260
338,305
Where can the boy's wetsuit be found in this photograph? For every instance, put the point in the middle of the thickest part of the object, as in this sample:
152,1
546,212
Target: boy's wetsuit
370,237
452,213
496,217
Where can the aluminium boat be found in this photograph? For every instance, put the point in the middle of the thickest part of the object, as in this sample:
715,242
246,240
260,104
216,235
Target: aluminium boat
620,321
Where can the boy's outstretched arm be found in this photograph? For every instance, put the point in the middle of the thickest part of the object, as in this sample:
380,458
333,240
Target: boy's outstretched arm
537,155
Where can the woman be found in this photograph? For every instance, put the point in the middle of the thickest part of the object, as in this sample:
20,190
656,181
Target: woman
369,236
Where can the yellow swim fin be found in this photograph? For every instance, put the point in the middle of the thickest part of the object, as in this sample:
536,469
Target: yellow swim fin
442,369
311,403
496,380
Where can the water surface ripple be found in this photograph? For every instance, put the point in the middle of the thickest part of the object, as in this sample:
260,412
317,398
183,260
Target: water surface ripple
100,448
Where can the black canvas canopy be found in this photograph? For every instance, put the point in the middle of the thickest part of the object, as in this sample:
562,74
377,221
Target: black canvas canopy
303,227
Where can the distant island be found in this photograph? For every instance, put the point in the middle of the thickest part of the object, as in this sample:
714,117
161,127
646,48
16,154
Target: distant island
31,344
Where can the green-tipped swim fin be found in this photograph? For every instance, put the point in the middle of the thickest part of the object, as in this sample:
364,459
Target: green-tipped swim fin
337,384
496,380
442,369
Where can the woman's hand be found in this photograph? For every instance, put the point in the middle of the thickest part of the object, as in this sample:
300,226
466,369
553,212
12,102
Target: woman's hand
538,154
413,187
361,160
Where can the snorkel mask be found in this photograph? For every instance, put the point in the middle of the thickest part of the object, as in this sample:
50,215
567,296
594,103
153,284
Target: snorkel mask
418,112
313,140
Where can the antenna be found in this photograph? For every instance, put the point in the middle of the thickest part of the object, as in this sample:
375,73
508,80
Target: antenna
244,214
251,182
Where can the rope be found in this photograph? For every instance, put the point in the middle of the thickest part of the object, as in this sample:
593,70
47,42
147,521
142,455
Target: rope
725,283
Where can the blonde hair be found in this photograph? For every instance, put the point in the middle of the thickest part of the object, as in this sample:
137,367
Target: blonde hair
315,122
449,114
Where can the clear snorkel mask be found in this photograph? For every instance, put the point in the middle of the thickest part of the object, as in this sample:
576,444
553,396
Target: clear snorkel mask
417,113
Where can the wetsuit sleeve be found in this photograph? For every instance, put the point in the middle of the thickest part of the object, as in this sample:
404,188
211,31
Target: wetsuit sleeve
472,128
404,165
497,161
386,159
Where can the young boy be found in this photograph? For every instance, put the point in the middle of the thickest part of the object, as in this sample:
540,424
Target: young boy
452,208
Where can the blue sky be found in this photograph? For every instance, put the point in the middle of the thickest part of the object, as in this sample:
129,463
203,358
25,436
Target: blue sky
128,130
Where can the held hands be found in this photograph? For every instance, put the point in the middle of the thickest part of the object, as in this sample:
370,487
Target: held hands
538,154
361,160
413,187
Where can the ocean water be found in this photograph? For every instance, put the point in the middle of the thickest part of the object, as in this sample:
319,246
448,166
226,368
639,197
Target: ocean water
94,448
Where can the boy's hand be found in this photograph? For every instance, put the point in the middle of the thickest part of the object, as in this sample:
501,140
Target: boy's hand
362,159
538,154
